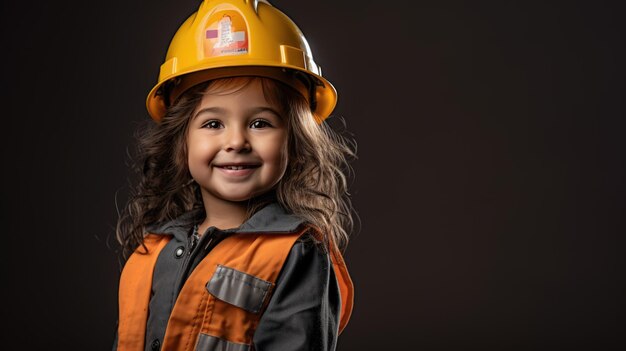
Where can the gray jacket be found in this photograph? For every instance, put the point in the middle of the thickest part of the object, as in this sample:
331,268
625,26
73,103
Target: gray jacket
303,312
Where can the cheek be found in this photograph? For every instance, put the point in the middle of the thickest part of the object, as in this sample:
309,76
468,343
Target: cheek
200,151
198,145
274,153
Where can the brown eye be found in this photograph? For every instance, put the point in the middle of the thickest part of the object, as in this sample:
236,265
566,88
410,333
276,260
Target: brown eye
213,124
259,123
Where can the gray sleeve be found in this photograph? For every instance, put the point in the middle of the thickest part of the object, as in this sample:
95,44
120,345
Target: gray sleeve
303,313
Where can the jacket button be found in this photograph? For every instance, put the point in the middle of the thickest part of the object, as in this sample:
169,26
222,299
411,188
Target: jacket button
156,345
180,251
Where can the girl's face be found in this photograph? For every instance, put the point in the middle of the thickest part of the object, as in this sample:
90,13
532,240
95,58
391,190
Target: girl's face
237,144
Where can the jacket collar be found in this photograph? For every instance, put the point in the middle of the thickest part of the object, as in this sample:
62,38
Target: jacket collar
272,218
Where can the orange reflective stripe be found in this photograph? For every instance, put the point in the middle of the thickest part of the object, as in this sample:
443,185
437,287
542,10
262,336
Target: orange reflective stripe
196,311
346,288
134,294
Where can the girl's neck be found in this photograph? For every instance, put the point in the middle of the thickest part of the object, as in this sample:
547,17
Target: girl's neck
222,214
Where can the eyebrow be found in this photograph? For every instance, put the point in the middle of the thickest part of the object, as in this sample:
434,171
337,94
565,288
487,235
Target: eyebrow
254,110
208,110
264,109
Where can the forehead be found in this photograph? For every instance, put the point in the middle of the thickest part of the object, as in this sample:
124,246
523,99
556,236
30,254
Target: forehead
230,85
234,96
259,87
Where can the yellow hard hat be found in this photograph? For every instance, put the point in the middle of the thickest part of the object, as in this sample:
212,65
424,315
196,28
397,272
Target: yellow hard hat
229,38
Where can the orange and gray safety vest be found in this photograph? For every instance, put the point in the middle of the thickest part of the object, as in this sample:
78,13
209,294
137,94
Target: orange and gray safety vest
222,300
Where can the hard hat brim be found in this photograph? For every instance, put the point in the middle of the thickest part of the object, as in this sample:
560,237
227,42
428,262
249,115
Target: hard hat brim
325,93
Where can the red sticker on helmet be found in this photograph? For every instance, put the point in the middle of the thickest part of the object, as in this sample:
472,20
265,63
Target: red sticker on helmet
226,34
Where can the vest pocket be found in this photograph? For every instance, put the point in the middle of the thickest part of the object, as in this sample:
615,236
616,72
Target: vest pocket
212,343
238,288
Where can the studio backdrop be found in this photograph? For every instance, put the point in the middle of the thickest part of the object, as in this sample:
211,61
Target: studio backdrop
489,183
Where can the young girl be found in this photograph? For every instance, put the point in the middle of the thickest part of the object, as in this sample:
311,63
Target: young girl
236,226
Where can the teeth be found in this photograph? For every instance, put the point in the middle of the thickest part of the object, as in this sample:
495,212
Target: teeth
234,167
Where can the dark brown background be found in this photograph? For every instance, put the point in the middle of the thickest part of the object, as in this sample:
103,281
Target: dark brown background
490,183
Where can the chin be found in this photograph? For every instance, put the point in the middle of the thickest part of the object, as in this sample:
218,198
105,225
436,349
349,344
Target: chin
234,197
238,199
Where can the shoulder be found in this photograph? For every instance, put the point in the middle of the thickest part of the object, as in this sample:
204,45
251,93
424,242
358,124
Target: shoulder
308,261
311,241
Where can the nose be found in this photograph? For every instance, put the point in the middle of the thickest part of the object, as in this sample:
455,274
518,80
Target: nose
236,139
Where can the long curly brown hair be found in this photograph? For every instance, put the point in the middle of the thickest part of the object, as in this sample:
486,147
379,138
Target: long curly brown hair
314,186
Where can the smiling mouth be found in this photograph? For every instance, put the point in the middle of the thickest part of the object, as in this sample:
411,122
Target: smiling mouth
237,167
